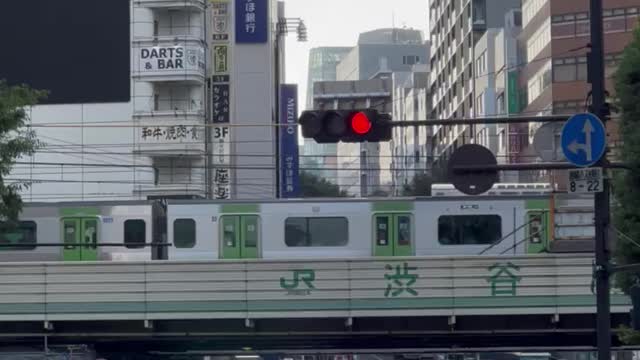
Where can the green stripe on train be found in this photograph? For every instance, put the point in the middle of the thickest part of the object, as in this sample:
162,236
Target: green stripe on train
392,206
79,212
240,209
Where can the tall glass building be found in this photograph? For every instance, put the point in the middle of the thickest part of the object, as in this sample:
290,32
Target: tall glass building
322,67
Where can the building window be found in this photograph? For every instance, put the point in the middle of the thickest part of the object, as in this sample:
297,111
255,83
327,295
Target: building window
612,61
570,69
481,64
480,105
316,232
469,229
529,10
568,107
135,234
410,59
578,24
184,233
500,105
23,235
539,82
539,41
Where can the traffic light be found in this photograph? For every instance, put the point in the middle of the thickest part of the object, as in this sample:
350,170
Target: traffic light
350,126
635,311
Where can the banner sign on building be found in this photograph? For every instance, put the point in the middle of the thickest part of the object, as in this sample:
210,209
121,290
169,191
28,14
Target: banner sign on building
220,18
513,101
221,104
170,58
221,149
251,21
289,160
222,163
172,133
220,59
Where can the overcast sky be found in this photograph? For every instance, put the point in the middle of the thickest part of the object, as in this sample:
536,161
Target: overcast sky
339,22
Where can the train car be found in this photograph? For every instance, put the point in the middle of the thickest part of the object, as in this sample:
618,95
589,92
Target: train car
87,228
358,228
279,229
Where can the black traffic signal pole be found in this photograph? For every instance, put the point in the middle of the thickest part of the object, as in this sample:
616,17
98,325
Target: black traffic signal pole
602,200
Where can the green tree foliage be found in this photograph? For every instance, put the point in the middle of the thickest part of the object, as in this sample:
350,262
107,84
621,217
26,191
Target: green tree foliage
420,186
627,183
16,140
313,186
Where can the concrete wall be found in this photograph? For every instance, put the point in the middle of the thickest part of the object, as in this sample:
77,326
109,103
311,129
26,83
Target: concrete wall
253,94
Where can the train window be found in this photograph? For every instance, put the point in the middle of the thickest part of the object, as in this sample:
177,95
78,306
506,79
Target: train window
404,230
23,235
316,232
382,230
469,229
250,224
135,234
184,233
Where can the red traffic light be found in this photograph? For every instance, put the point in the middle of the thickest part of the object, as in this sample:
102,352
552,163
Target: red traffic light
360,123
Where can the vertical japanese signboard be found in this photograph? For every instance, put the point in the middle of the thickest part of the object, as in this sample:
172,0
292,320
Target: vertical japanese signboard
220,19
289,161
221,99
220,59
251,21
221,149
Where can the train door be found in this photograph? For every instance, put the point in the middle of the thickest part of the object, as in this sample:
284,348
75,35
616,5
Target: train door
393,234
82,236
240,237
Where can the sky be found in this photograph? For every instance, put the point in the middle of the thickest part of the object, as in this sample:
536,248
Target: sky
339,22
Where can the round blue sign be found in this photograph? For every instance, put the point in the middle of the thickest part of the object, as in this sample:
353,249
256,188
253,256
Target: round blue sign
584,140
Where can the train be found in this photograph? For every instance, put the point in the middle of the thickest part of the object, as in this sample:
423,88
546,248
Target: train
513,222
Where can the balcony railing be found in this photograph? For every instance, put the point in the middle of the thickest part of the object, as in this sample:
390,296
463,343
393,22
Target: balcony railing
171,4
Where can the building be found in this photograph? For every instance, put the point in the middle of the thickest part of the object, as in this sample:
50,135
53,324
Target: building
496,62
364,79
410,148
456,27
169,75
383,50
555,36
362,169
197,79
323,62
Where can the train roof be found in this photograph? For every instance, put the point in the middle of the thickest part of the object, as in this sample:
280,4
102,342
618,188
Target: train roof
360,200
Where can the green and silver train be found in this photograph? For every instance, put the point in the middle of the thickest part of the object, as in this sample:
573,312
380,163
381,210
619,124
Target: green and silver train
284,229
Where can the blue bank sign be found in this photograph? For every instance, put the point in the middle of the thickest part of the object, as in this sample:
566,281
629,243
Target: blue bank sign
252,17
289,160
584,139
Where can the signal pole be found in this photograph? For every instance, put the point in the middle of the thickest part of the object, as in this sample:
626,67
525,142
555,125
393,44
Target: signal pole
602,204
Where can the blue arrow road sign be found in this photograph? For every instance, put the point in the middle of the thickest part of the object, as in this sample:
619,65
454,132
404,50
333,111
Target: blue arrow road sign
584,139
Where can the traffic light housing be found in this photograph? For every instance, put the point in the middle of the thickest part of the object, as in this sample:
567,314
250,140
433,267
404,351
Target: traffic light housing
349,126
634,292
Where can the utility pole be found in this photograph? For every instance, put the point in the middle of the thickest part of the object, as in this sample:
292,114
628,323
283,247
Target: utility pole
602,204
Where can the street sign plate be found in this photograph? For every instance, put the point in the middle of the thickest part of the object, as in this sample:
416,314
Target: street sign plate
546,142
473,183
588,180
584,139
